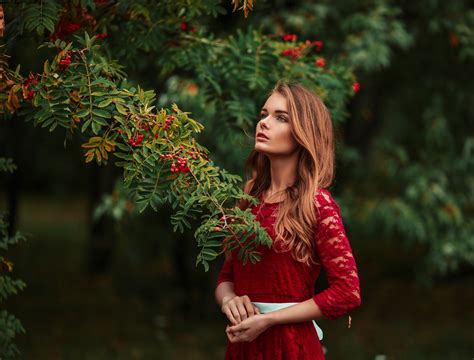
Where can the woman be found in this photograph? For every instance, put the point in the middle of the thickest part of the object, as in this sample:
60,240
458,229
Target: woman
271,305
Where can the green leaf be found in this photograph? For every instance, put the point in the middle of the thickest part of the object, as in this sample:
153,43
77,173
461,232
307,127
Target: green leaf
121,109
96,128
105,103
82,113
86,125
102,113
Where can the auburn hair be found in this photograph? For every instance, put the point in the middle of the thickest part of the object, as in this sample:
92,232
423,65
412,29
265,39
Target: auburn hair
312,128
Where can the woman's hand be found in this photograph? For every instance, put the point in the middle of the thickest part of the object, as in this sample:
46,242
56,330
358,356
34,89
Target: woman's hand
238,308
248,329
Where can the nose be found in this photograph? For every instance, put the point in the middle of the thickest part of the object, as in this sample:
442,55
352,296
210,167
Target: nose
263,122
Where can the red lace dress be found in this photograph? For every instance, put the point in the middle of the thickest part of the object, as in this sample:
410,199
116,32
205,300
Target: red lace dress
279,278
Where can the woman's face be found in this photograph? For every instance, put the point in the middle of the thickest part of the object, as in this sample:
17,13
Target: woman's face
274,124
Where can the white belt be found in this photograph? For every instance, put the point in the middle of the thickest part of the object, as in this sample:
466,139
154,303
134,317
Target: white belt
266,307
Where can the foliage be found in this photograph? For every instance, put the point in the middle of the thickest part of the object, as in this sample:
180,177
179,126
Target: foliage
162,162
224,79
406,156
10,326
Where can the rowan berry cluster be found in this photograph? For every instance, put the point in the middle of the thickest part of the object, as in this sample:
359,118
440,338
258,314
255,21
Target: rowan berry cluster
65,62
296,51
231,220
136,140
181,161
185,26
181,166
168,120
28,94
63,29
222,227
145,126
289,37
82,19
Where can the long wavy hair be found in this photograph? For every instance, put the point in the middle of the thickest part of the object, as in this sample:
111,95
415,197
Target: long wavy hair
312,128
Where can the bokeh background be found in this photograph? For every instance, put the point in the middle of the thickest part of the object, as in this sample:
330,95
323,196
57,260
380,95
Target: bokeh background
123,285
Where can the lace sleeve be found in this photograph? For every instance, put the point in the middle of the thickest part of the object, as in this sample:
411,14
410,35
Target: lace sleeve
335,255
227,271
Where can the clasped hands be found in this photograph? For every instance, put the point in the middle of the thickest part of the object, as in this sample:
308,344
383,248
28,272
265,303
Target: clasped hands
247,321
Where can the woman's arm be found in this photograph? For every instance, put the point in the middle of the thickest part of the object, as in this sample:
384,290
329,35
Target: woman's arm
304,311
343,293
224,291
236,308
335,253
252,327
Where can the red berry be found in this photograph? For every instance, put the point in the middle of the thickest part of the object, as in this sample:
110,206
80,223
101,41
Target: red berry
289,37
356,87
30,95
320,62
318,44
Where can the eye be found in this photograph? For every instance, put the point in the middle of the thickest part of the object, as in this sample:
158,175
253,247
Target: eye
262,115
282,118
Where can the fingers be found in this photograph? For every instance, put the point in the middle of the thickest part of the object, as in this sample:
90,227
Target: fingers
233,336
238,336
240,302
232,309
235,312
230,335
239,308
232,314
249,307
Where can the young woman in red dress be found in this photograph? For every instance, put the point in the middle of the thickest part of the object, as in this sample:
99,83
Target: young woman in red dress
271,304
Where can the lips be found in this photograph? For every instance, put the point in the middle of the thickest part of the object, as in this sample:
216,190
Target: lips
262,135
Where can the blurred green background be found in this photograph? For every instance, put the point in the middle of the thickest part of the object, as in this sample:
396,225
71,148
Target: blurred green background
129,289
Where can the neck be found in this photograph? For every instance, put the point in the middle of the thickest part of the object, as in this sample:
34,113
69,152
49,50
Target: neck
283,172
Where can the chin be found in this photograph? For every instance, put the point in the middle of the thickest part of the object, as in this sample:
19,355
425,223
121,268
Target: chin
258,148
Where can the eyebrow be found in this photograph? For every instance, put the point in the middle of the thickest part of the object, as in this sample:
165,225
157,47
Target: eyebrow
277,111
